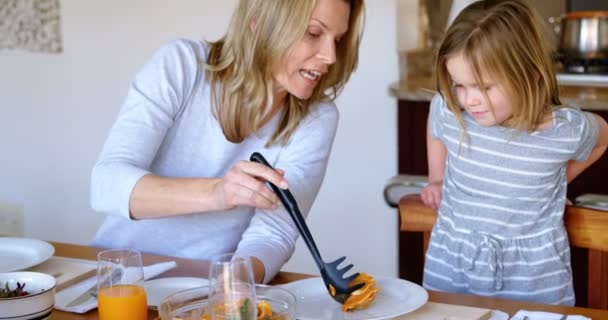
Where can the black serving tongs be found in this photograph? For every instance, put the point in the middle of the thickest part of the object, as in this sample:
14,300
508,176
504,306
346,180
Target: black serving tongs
337,286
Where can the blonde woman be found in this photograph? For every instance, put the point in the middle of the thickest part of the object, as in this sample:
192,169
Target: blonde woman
501,153
174,177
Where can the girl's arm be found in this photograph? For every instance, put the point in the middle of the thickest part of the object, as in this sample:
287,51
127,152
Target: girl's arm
436,153
575,168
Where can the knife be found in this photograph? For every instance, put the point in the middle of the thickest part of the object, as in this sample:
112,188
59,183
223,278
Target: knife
84,297
91,292
75,280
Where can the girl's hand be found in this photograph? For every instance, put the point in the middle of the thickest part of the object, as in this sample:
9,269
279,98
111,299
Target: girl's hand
431,194
244,185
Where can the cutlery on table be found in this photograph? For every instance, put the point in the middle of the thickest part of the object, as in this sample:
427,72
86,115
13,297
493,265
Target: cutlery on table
73,281
92,291
84,297
337,286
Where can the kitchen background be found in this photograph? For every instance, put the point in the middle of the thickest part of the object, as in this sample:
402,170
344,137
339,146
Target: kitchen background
57,110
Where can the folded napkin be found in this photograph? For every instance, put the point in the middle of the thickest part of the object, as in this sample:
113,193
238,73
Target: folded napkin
64,297
539,315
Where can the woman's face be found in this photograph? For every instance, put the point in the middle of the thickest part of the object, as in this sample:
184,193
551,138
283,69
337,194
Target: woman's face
310,57
470,95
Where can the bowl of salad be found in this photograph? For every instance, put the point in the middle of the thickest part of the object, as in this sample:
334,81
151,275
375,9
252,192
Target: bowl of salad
26,295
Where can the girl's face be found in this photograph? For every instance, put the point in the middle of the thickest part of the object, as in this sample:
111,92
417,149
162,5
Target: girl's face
309,59
470,95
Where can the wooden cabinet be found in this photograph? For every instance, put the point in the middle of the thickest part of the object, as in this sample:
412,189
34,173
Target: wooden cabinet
411,130
412,120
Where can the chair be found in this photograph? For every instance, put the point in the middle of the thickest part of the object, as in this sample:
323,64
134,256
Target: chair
587,228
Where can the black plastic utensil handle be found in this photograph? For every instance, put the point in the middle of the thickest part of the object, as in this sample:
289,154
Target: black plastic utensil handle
292,207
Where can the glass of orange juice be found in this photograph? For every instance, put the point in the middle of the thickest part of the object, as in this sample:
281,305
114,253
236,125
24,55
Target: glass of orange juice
120,286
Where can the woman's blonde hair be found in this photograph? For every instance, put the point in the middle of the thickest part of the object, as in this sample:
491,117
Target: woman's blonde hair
261,34
505,40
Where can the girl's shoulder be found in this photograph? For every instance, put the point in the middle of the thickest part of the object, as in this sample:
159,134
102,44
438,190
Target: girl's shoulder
570,123
569,118
437,102
439,107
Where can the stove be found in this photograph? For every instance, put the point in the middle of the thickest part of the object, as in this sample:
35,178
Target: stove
582,72
582,79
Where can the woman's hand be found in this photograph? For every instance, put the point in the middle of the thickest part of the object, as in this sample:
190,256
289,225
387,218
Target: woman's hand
431,194
244,185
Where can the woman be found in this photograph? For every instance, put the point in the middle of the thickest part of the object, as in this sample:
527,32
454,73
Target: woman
173,176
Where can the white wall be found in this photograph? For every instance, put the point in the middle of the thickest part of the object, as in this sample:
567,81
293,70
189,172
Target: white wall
56,110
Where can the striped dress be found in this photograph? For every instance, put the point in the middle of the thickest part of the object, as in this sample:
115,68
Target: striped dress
500,230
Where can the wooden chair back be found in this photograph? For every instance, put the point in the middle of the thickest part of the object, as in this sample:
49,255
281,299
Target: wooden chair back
587,228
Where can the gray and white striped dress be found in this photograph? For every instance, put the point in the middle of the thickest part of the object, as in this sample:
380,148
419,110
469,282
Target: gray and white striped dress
500,230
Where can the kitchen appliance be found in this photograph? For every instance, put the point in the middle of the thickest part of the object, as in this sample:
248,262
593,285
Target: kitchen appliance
582,80
586,5
584,35
581,72
583,49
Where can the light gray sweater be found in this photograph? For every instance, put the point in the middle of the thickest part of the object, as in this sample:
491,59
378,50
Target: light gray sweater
166,127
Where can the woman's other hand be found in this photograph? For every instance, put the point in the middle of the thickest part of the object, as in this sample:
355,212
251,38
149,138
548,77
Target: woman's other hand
431,194
245,185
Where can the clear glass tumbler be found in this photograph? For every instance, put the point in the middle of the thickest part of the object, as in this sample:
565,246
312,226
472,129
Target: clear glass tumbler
232,289
186,304
120,286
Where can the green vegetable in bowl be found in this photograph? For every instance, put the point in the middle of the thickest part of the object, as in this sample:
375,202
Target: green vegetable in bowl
6,292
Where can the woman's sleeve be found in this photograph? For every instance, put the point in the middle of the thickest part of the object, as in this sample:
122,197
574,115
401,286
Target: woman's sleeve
154,99
272,235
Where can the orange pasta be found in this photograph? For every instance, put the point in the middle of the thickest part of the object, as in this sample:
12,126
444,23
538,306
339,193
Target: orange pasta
361,298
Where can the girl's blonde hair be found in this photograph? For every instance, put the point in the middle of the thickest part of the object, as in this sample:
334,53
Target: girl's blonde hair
505,40
260,35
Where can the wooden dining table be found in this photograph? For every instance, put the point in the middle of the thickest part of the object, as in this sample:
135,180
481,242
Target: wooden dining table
199,268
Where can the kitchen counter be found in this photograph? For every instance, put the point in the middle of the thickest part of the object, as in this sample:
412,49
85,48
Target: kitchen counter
423,89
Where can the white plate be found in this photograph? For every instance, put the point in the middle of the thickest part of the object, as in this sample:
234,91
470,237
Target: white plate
396,297
159,289
22,253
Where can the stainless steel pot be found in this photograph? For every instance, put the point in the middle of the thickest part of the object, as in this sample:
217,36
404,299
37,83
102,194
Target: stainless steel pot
584,35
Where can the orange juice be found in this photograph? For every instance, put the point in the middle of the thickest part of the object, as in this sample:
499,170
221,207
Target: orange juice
122,302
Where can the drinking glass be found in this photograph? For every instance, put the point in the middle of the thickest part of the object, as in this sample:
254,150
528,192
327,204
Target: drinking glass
281,301
231,289
185,304
120,286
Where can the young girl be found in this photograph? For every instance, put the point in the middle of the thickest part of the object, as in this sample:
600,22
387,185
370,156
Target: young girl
500,158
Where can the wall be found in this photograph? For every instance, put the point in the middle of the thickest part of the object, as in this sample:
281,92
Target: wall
56,111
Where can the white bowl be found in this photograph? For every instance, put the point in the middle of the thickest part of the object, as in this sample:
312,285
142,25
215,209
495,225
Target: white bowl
37,304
